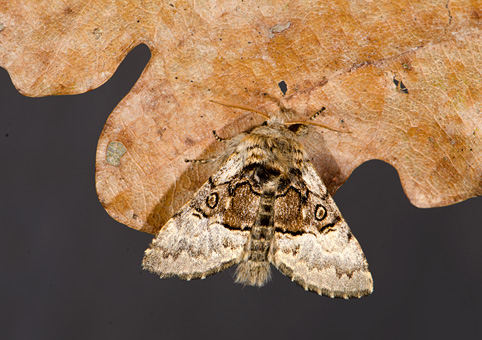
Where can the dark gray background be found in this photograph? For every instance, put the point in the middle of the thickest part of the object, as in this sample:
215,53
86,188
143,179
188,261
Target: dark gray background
69,271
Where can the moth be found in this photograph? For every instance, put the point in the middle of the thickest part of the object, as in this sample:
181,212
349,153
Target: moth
265,205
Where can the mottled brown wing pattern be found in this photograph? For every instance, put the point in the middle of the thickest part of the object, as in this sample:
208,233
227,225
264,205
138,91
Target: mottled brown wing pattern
266,204
207,235
318,251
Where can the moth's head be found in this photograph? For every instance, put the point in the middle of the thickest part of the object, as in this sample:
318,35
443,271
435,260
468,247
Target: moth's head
298,129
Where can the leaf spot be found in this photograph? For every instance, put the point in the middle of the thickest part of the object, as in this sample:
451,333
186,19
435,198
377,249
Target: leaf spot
115,150
97,32
278,29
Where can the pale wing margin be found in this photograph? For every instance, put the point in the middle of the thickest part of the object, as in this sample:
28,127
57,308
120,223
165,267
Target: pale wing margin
312,180
230,168
331,264
190,247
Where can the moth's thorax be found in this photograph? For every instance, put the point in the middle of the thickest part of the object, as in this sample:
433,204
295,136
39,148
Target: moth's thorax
273,148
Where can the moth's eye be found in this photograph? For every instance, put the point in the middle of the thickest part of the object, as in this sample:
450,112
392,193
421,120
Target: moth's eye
320,212
212,200
296,127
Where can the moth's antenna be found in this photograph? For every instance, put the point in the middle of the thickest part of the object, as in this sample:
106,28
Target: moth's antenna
264,115
219,139
319,125
317,113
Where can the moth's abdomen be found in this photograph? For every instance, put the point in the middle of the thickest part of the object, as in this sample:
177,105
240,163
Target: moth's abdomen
254,269
263,230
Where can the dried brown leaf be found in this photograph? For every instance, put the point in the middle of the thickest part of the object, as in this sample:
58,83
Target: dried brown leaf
402,76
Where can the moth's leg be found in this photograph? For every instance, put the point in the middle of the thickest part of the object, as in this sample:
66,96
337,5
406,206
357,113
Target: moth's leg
212,159
202,161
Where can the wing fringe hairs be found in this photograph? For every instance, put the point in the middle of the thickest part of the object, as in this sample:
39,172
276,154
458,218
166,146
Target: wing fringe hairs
265,205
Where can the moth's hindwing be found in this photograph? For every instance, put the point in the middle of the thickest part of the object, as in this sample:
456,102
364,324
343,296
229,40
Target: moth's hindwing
315,246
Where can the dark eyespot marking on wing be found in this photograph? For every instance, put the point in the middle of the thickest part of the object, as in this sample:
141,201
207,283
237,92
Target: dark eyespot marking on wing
320,212
212,200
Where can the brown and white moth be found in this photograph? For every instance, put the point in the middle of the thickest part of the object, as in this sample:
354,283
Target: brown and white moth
265,205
